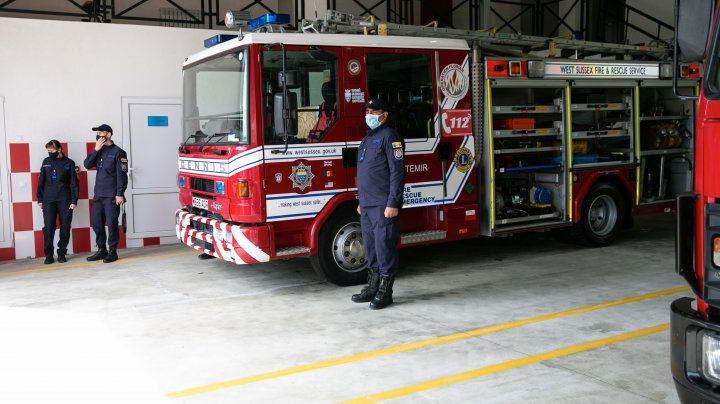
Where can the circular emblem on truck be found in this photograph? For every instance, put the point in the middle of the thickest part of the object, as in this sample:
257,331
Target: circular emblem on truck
354,67
463,159
454,83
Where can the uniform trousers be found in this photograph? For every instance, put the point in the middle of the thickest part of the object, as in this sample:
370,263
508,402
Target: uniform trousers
380,236
105,213
51,210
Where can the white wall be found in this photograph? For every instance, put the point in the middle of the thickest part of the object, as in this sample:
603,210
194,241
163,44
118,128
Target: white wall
61,78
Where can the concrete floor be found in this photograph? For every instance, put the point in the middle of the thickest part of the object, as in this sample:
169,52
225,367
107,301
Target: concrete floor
159,322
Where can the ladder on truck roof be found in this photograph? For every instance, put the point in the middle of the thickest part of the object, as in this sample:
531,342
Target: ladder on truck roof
338,22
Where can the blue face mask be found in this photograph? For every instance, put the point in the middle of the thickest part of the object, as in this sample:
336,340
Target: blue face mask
372,121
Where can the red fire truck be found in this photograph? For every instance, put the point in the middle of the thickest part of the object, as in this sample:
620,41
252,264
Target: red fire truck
695,323
501,136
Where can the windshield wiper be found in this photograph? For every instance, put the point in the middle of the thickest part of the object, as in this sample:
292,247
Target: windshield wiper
211,137
197,134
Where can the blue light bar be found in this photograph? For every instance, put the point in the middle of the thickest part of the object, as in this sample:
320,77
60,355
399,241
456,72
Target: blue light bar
268,19
219,187
218,39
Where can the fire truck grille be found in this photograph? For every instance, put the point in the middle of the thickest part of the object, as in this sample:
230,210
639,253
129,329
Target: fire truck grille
201,184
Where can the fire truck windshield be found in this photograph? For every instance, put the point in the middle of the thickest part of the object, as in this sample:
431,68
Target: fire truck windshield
215,101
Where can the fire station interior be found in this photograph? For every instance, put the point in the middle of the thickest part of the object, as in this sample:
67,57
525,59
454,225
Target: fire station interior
547,279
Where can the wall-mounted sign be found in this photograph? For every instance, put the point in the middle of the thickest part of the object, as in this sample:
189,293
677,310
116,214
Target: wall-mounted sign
157,121
600,70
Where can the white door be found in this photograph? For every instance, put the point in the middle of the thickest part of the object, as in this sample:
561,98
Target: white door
154,131
5,234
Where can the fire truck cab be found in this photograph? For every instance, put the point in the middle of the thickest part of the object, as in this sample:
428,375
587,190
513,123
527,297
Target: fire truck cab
493,145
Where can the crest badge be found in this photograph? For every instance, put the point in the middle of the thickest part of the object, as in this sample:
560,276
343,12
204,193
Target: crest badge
278,178
301,176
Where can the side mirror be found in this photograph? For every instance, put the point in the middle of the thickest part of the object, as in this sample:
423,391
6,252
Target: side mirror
285,116
692,27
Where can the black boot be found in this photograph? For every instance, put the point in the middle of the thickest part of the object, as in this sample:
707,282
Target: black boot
61,256
99,254
111,257
49,260
383,298
369,291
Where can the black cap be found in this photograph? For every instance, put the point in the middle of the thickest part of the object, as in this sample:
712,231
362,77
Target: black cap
376,103
103,128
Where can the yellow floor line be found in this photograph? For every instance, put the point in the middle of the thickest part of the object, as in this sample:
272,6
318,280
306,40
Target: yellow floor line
87,264
501,367
415,345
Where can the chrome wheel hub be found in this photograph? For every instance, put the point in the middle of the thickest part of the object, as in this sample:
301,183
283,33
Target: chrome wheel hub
602,215
348,250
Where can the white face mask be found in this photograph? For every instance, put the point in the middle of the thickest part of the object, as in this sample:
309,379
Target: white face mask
372,121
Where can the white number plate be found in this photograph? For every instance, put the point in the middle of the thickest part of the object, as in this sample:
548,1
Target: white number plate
199,202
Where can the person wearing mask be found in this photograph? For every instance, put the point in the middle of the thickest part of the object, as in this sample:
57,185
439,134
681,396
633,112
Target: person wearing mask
57,195
110,184
380,182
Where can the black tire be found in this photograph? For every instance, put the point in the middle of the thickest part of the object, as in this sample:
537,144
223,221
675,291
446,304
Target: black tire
603,215
341,256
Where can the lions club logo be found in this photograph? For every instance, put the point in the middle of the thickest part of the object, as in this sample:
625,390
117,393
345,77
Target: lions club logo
454,83
463,159
301,176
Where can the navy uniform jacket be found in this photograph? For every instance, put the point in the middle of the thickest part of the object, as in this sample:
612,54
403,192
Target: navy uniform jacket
112,166
381,170
58,181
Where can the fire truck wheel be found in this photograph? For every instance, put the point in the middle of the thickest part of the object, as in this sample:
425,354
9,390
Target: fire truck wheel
341,256
602,216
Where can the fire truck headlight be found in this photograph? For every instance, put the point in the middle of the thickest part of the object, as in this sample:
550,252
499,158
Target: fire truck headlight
219,187
515,68
711,357
536,68
684,71
181,181
716,251
665,71
243,191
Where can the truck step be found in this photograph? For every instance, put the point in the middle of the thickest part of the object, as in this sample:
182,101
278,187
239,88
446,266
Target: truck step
422,236
296,250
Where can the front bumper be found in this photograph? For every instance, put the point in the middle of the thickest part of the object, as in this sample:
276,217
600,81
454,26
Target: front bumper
233,243
686,325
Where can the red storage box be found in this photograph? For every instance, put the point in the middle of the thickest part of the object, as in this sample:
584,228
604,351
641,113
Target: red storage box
514,123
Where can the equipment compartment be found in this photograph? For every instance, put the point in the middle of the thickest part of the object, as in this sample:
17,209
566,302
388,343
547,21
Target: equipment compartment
527,143
602,121
666,142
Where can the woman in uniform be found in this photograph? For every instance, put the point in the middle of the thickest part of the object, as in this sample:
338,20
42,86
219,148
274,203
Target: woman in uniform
57,195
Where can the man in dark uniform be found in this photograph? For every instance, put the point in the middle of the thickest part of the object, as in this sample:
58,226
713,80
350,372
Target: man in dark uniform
57,195
110,184
380,182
